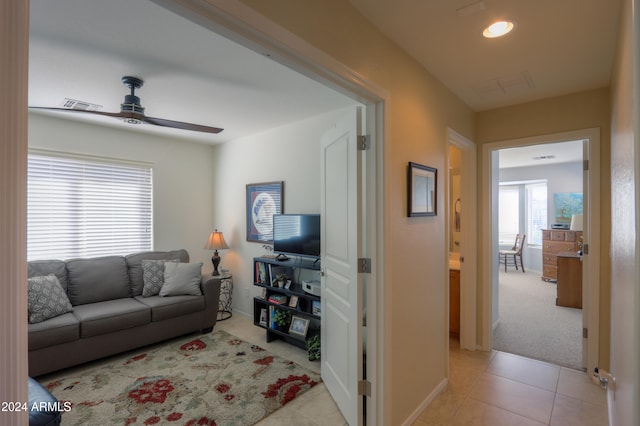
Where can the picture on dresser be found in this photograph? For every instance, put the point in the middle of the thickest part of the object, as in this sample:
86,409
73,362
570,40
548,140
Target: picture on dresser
567,204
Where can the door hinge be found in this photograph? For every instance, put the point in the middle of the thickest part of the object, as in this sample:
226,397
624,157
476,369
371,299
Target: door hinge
585,333
585,249
364,265
364,142
585,165
364,388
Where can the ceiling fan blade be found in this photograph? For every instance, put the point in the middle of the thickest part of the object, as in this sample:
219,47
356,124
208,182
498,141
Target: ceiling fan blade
181,125
109,114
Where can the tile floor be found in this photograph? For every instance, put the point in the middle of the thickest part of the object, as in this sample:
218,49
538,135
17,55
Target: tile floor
485,388
497,388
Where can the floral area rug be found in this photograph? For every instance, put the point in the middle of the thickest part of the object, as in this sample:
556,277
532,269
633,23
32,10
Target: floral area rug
213,379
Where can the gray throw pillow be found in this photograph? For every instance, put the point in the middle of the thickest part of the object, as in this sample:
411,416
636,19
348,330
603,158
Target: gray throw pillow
152,276
181,278
46,298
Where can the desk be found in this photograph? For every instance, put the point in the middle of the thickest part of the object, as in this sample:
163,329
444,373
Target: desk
226,293
569,280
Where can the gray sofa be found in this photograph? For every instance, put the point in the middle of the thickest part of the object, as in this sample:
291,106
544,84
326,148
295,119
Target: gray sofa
109,313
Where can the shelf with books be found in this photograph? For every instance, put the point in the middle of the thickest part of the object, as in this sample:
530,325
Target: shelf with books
286,311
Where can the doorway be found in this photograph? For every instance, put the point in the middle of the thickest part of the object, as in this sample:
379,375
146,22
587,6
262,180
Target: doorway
461,173
591,237
539,188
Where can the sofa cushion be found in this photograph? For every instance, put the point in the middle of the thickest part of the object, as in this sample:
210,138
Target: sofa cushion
153,276
54,331
134,262
97,279
182,279
112,315
163,308
46,298
40,268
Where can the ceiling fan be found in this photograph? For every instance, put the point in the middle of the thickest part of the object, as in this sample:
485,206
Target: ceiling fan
132,112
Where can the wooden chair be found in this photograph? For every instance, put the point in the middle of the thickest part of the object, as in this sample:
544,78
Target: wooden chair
510,257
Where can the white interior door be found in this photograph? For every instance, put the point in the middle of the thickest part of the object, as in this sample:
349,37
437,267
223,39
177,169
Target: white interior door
585,258
341,356
468,228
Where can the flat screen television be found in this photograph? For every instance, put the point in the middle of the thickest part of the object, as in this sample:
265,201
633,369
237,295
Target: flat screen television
296,234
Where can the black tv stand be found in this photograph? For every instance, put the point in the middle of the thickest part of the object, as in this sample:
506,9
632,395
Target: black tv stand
290,300
281,257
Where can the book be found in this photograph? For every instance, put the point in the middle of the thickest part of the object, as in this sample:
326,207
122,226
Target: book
262,273
280,299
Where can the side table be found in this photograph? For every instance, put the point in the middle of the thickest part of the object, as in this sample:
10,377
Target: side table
226,293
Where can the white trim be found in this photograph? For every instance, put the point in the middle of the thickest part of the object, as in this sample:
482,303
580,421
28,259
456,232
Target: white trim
87,157
240,23
591,268
425,404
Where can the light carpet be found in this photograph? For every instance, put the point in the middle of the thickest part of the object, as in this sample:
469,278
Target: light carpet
212,379
531,325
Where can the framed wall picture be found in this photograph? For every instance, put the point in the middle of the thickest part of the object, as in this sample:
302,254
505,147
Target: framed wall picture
299,326
263,201
422,184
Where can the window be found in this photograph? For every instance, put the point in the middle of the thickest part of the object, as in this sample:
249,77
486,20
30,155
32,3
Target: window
522,210
509,213
86,207
536,212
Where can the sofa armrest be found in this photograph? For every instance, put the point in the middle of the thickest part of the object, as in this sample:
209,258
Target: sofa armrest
210,287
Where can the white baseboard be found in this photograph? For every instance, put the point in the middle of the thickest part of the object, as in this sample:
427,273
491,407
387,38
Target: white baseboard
428,400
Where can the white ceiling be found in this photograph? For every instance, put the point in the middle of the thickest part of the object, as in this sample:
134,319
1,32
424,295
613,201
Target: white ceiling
80,49
539,155
558,46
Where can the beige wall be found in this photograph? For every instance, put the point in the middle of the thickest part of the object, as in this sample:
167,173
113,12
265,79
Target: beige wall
14,71
418,113
555,115
288,153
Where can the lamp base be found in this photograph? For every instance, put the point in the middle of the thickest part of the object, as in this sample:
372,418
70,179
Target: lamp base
216,261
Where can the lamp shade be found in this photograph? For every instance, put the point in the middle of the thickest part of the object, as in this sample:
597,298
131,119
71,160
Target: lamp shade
216,241
576,222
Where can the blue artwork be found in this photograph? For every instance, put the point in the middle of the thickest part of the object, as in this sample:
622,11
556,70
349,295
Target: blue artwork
567,204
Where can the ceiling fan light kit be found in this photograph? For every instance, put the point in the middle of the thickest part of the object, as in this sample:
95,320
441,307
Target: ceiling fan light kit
132,111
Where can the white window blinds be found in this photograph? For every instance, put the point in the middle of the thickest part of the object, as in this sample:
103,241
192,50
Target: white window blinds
85,207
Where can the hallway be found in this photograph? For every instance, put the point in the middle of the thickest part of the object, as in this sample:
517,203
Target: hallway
495,388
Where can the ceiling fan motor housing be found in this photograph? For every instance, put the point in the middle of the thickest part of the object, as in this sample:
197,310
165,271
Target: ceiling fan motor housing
131,102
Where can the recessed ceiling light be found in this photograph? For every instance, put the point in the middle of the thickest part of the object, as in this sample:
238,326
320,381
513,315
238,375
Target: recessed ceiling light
498,29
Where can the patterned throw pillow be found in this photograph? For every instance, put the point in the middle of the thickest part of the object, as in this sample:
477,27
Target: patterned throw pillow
153,276
46,298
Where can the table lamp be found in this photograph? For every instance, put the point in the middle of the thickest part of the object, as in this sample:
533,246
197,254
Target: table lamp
576,222
216,242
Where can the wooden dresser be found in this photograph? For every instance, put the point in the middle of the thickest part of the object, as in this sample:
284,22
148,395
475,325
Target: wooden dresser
556,241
